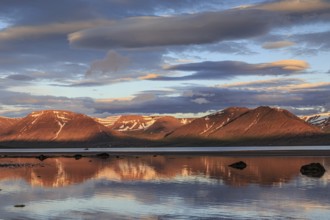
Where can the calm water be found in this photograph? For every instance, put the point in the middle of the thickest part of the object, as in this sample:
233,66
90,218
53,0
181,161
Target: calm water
163,187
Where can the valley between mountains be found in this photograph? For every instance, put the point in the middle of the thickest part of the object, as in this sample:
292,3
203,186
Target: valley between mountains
230,127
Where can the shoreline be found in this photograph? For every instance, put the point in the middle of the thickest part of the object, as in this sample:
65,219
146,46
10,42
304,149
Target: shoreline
216,151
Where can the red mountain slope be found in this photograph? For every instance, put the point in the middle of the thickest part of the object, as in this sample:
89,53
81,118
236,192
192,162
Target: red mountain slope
161,127
164,125
57,126
6,123
203,127
266,122
244,123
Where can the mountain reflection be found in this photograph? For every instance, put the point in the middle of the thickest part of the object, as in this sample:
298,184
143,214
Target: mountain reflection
59,172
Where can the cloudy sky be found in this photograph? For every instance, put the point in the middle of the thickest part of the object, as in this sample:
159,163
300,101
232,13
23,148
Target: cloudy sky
183,57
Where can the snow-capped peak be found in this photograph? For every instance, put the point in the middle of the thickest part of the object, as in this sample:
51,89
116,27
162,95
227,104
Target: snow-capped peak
321,120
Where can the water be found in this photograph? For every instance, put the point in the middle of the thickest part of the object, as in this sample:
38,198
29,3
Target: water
163,187
311,149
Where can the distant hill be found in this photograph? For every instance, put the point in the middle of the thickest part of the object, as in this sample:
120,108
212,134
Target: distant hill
57,126
231,126
160,128
133,122
204,126
233,123
140,126
321,120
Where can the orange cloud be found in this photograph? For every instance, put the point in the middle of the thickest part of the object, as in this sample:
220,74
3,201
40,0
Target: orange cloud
149,76
295,5
277,44
290,65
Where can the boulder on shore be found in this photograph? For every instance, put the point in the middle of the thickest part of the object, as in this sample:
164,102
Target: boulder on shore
42,157
103,155
77,156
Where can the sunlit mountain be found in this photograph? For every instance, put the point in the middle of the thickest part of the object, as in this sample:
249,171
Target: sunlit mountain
233,126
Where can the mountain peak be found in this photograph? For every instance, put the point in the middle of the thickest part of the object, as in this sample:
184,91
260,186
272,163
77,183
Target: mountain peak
57,125
236,122
230,110
321,120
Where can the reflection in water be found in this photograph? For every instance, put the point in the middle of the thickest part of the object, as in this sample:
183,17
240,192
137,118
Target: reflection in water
164,186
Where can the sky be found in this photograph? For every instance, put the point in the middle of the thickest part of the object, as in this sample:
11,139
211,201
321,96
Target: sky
177,57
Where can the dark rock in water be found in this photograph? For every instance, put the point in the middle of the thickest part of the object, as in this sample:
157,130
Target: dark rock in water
77,156
103,155
19,206
42,157
238,165
312,170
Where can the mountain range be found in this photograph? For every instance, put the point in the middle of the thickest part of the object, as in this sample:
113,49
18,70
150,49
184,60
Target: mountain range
231,126
321,120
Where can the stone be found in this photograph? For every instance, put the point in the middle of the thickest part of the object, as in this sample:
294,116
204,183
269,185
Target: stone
238,165
103,155
312,170
42,157
77,156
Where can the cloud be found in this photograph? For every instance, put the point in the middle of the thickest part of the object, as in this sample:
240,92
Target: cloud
39,31
295,6
233,24
319,86
20,77
35,40
175,30
196,99
41,12
262,83
311,43
200,101
287,65
229,69
228,47
281,84
318,40
18,104
149,76
277,44
293,93
110,64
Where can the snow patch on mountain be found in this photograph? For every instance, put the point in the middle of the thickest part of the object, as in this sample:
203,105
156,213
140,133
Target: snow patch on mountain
207,128
321,120
60,129
108,121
